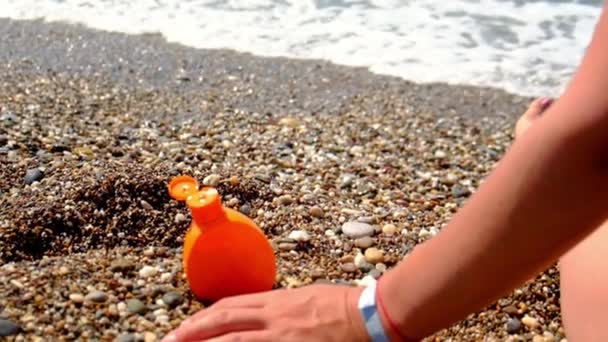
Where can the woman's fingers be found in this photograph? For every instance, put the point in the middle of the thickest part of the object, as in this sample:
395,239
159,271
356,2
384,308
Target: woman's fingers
216,322
256,300
247,336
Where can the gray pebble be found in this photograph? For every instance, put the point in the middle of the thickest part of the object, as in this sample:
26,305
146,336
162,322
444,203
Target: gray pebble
356,230
8,328
245,209
33,175
96,297
144,204
346,180
136,306
460,191
513,326
172,299
126,338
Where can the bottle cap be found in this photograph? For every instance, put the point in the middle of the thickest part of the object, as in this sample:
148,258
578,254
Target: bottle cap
181,187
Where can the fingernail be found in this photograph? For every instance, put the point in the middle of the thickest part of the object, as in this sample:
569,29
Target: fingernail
545,102
170,338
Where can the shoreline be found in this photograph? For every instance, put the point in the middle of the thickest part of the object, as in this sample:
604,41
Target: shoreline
313,145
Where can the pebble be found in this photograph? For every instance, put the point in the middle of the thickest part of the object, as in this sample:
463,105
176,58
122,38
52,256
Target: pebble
530,322
316,212
96,297
121,265
511,310
172,299
364,242
165,277
126,338
76,298
513,326
368,219
146,205
381,267
148,271
285,200
8,328
348,267
355,230
162,319
299,235
179,218
374,255
136,306
389,229
33,175
150,337
212,180
287,246
245,209
290,122
460,191
360,261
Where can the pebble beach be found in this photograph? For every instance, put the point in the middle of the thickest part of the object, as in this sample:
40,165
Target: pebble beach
345,171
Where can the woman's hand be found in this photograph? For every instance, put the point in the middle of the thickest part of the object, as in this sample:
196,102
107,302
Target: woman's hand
311,313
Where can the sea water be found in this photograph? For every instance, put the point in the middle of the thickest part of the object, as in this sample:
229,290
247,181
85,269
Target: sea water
525,47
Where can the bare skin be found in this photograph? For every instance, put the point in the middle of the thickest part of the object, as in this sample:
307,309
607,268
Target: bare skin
583,269
547,194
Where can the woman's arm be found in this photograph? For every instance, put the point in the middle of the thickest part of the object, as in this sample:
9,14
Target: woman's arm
547,194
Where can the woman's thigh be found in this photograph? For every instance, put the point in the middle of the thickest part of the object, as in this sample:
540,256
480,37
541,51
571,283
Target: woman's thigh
584,288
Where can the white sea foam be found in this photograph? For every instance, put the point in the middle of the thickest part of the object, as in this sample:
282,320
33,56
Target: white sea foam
526,47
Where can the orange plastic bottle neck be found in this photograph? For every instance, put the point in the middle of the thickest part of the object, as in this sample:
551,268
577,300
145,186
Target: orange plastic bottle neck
205,206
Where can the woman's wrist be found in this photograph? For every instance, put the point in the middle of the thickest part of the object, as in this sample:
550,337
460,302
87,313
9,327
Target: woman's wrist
391,327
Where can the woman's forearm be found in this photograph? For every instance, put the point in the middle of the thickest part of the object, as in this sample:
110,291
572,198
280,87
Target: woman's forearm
547,193
512,228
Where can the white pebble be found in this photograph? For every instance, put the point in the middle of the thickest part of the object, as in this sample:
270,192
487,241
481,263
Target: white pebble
148,271
330,233
212,180
440,154
122,307
179,218
299,235
404,231
162,319
360,261
165,277
160,312
423,233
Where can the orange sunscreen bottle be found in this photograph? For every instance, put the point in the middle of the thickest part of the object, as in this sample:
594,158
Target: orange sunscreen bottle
225,252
